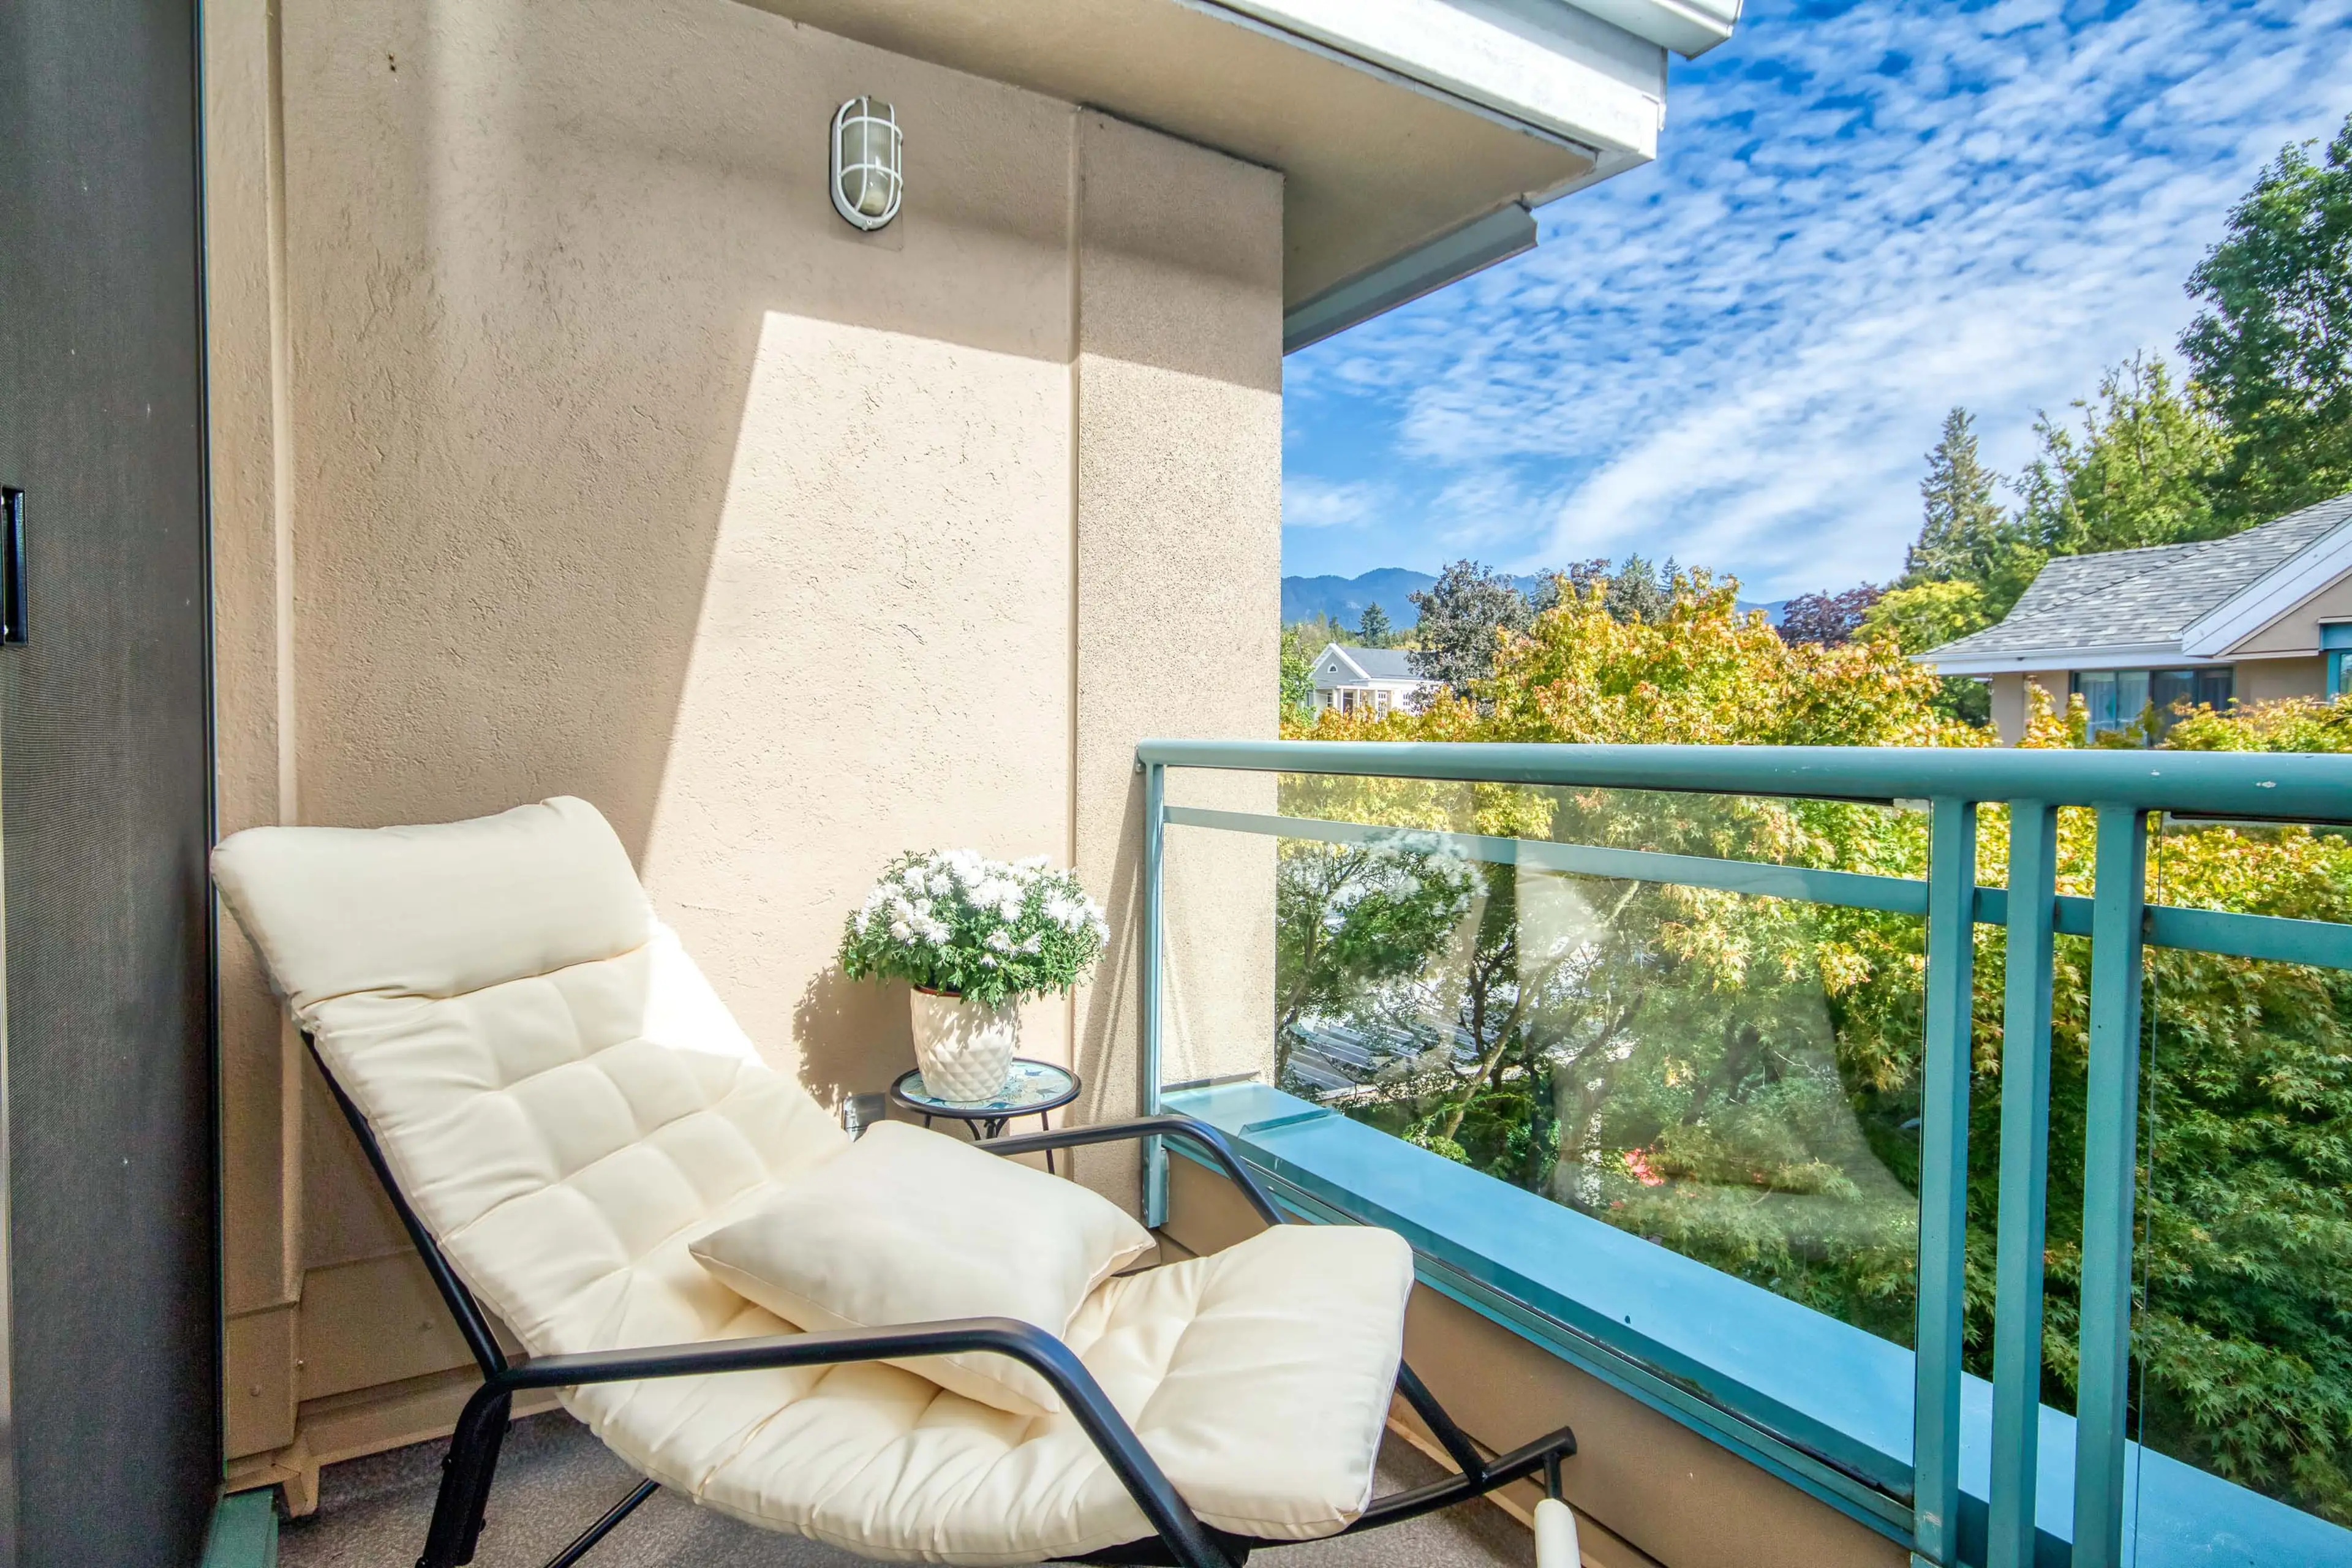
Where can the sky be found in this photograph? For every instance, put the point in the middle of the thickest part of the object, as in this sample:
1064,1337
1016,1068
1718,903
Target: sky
1863,213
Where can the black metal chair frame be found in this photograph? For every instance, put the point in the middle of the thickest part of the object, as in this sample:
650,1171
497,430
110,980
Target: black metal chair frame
1181,1540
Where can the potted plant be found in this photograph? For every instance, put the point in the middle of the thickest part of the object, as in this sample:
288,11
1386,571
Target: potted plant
974,938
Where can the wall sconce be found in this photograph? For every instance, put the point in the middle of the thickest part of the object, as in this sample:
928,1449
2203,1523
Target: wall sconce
865,178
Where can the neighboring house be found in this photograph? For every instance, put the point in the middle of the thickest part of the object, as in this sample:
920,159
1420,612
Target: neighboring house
1367,679
2256,616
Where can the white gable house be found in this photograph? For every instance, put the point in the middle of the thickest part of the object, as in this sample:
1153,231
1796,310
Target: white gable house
1367,679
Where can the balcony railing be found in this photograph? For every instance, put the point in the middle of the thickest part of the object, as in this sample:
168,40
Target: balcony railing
1778,1380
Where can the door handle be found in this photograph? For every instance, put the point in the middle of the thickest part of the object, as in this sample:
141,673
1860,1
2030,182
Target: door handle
12,564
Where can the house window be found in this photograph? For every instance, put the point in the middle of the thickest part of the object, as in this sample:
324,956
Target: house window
2335,642
1381,702
2114,700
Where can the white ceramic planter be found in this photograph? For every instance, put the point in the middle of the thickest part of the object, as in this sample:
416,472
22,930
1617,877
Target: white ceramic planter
965,1048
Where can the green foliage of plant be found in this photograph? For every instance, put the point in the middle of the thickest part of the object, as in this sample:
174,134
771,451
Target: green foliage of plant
1737,1078
1928,614
2296,725
1964,534
993,931
1373,629
2143,470
2274,347
1298,681
1461,614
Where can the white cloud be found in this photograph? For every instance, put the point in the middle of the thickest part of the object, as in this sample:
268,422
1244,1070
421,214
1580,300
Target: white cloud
1308,502
1740,355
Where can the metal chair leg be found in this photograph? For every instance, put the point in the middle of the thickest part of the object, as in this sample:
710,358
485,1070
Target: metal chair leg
466,1472
597,1532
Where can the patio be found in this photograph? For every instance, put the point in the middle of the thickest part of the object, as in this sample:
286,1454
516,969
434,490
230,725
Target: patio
373,1510
526,408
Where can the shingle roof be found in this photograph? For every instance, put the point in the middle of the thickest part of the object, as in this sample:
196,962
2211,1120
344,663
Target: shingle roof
2128,598
1381,663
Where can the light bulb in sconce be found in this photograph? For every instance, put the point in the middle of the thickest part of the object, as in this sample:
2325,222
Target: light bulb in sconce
866,181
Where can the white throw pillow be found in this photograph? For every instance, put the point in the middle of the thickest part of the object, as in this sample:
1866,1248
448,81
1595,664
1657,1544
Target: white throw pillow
910,1226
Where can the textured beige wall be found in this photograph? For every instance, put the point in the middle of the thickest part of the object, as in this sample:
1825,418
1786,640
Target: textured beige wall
2009,708
2297,630
2270,679
261,1093
625,469
1178,386
2009,699
568,441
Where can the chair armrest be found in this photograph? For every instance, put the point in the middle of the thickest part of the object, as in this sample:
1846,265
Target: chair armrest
1025,1342
1161,1504
1170,1126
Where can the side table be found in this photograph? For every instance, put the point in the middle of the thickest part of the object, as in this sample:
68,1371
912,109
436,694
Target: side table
1037,1089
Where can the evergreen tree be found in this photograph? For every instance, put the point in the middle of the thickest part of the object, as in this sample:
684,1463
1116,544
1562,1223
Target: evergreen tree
1463,618
1963,535
2274,349
2143,471
1373,630
1639,591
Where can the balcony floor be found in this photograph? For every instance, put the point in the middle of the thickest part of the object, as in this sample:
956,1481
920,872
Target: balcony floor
553,1478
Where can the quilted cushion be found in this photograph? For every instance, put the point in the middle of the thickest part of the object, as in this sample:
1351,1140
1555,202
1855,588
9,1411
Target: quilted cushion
912,1227
567,1105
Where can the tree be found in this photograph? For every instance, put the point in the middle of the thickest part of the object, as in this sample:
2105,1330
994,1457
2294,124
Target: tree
1373,630
2274,347
1739,1078
1298,681
1928,614
1827,618
2142,472
1309,637
1464,616
1639,591
1964,536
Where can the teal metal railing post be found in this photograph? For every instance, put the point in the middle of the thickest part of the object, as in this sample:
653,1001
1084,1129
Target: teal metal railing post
1943,1182
2024,1182
2110,1173
1155,843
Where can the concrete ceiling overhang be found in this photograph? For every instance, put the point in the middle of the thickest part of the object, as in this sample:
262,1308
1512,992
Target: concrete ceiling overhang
1395,123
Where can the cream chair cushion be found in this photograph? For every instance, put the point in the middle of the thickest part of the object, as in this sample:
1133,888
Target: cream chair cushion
913,1227
568,1106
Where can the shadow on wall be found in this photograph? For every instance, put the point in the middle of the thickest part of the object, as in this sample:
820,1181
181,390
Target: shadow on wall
629,470
854,1036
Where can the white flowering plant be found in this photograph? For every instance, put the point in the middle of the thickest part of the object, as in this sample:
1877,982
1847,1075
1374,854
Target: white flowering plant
993,931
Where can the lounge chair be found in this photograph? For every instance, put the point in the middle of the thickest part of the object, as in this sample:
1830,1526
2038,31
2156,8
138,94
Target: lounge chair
558,1103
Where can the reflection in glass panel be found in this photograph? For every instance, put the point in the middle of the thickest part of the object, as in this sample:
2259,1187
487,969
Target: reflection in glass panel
2243,1337
1731,1077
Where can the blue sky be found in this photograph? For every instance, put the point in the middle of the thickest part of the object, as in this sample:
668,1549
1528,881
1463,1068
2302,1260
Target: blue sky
1862,215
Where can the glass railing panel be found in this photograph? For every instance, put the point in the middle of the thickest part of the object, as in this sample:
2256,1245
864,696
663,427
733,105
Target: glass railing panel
2243,1327
1691,1025
1728,1077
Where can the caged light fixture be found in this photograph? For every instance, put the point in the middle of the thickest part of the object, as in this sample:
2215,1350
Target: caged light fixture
865,178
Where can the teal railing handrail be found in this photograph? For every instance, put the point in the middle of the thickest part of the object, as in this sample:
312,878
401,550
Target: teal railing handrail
2124,787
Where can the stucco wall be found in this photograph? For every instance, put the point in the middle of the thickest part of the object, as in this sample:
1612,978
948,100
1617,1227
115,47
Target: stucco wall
1179,387
2009,699
2297,630
2270,679
568,442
